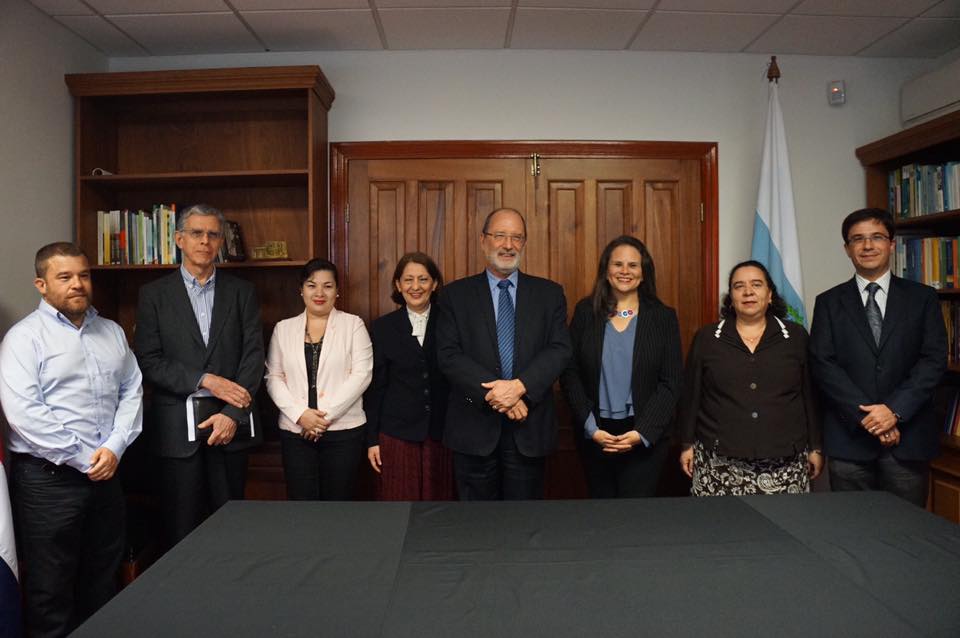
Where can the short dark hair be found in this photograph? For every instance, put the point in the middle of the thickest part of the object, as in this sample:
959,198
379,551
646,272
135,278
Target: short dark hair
56,249
603,300
867,214
486,221
315,265
777,305
415,258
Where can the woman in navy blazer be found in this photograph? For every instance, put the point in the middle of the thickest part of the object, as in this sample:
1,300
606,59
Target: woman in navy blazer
624,378
406,402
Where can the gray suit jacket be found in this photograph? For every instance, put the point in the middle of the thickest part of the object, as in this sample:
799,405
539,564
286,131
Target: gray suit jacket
172,355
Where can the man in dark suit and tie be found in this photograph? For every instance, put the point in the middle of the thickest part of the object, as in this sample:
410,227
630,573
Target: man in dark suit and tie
501,342
878,349
199,342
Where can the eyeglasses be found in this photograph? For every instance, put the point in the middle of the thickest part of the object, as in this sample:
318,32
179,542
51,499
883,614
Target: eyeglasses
195,234
502,238
875,238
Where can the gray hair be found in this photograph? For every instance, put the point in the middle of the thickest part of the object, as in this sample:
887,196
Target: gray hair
202,210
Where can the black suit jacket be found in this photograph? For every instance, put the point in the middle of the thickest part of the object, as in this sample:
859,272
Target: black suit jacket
468,356
172,355
902,372
407,398
657,366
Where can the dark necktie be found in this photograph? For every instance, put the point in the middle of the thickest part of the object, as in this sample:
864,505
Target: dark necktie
505,328
874,318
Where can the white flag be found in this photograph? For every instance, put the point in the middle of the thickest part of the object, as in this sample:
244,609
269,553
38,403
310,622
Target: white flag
8,550
9,589
775,241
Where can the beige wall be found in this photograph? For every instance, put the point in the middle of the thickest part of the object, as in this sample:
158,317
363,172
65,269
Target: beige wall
36,145
629,96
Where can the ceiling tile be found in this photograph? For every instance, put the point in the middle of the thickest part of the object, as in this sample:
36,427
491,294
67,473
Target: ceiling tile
102,35
440,4
823,35
62,7
315,30
135,7
588,4
188,33
573,28
445,28
920,38
673,31
944,9
891,8
727,6
284,5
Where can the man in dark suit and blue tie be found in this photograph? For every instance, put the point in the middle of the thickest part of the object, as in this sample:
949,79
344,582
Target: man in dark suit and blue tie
501,342
878,349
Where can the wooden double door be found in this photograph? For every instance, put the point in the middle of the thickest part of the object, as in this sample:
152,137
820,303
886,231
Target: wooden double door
391,198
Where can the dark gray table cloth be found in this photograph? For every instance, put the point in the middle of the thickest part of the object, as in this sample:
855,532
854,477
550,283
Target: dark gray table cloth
849,564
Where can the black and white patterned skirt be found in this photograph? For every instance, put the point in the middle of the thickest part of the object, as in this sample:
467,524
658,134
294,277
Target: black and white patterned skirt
718,475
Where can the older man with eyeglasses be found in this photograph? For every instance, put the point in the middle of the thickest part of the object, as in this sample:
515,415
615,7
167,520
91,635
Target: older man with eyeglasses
878,349
501,342
200,345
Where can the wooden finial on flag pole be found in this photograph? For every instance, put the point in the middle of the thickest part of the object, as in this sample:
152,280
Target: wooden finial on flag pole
773,71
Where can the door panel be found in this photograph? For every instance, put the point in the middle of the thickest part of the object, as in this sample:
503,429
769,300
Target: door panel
590,201
436,206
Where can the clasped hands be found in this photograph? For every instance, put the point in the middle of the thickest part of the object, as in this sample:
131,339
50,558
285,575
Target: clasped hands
505,397
224,427
617,444
313,423
881,422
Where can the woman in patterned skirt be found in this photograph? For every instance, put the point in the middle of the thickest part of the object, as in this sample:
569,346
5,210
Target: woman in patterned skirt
748,421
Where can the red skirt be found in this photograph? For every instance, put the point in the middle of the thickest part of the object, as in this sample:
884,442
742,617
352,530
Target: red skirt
414,471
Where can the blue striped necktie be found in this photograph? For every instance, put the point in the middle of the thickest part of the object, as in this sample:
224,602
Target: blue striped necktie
505,328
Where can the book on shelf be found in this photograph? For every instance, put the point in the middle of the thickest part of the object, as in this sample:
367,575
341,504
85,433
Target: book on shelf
934,261
923,189
126,237
950,309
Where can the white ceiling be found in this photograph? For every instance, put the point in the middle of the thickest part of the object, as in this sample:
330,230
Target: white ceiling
886,28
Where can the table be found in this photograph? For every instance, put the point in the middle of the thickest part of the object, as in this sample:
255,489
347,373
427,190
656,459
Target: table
844,564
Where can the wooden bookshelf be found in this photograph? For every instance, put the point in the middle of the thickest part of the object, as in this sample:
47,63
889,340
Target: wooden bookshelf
250,141
945,221
933,142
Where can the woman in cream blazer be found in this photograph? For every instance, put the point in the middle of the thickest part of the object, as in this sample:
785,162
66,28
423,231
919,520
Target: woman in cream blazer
318,365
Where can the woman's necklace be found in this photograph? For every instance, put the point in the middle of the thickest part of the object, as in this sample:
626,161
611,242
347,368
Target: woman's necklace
314,355
624,314
752,340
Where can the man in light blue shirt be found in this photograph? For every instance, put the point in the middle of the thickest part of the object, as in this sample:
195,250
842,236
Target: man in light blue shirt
71,392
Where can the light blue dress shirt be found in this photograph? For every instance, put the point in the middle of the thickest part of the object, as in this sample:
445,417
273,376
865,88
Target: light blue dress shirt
616,378
201,300
492,281
67,391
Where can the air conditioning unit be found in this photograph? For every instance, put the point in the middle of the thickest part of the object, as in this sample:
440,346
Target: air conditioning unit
932,94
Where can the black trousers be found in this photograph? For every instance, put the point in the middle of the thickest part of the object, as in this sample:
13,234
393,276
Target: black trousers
323,470
505,474
906,479
633,474
71,532
194,487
